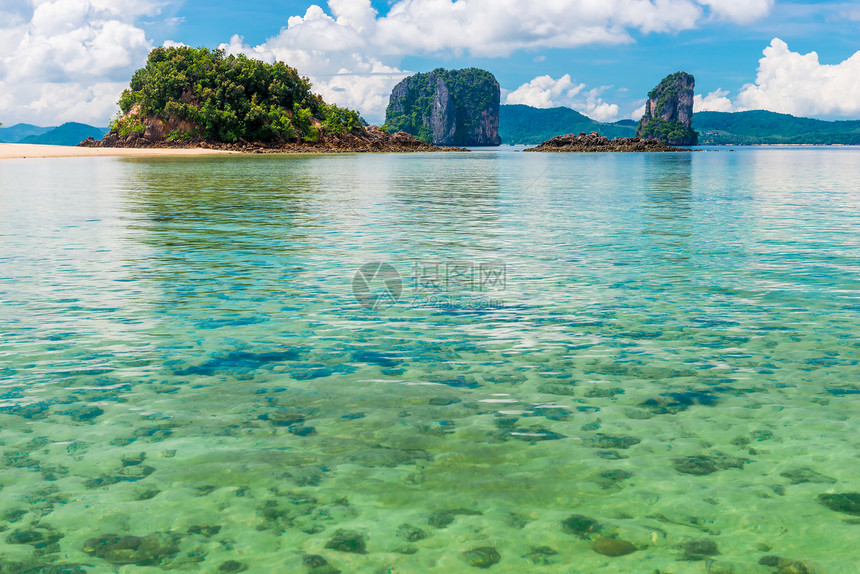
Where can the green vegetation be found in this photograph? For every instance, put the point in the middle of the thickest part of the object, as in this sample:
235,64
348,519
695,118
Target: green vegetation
673,131
762,127
519,124
472,90
669,90
669,98
203,93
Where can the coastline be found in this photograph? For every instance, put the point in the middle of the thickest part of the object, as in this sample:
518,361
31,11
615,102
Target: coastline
36,151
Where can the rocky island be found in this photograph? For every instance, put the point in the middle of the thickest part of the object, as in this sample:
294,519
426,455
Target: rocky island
594,142
199,98
669,111
447,107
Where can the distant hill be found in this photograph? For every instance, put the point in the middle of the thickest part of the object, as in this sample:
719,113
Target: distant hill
14,134
67,134
762,127
519,124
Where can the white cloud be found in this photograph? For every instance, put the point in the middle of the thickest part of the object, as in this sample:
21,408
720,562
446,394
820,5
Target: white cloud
792,83
740,11
352,53
715,101
639,112
798,84
546,92
353,36
68,60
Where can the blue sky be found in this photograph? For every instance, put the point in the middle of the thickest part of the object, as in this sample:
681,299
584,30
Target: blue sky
601,57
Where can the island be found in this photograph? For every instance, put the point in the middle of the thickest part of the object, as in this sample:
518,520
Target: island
669,111
447,107
594,142
195,97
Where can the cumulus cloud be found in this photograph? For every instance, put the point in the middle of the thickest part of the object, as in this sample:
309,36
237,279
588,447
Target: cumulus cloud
353,36
740,11
799,84
546,92
792,83
67,60
351,52
715,101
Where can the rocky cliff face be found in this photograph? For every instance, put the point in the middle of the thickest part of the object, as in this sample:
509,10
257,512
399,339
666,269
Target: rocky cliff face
447,107
669,111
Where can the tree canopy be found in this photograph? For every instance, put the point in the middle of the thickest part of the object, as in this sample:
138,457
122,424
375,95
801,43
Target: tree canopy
224,98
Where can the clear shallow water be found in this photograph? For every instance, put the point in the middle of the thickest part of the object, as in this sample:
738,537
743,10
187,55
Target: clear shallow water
666,344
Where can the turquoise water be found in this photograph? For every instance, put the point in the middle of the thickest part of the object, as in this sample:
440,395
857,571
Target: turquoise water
663,346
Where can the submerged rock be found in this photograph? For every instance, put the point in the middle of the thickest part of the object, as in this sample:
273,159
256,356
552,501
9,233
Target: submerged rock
541,555
482,557
411,533
613,547
317,564
443,518
580,525
699,549
116,549
37,537
785,566
805,474
847,502
707,464
608,441
232,566
348,541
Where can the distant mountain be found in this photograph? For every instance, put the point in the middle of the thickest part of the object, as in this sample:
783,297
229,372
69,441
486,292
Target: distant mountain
761,127
14,134
519,124
67,134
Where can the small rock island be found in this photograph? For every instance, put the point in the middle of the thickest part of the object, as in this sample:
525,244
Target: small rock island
594,142
668,122
195,97
447,107
669,111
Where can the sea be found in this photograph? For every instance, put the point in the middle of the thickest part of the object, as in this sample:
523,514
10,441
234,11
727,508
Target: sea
443,362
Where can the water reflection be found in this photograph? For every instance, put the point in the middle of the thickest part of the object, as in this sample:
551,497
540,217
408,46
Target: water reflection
668,190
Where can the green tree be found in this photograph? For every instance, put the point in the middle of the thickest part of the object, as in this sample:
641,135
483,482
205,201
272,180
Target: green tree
227,98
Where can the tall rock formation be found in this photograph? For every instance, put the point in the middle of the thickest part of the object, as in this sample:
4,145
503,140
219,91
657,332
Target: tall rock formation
669,111
447,107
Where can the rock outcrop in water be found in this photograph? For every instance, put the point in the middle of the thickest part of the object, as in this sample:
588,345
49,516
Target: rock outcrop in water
595,142
447,107
669,111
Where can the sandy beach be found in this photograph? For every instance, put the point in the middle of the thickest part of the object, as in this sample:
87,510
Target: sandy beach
24,151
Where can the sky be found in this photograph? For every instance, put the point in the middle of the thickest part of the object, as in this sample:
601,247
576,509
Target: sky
68,60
